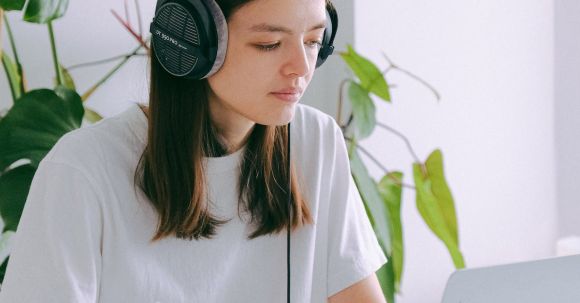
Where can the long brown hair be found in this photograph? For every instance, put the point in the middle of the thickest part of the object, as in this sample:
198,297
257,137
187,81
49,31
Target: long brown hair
170,171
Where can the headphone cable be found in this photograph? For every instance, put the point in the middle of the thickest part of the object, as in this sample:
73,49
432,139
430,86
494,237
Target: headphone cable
289,217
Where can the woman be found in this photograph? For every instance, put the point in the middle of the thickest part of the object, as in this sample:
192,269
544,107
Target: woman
187,200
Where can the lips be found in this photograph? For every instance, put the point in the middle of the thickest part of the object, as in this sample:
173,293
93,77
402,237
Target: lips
290,94
289,90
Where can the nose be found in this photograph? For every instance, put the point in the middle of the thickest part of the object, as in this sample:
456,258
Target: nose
297,63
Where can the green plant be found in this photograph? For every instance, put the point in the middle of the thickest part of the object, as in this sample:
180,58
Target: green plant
38,118
383,199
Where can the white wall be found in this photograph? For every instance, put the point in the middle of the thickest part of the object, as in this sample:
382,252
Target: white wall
567,94
492,63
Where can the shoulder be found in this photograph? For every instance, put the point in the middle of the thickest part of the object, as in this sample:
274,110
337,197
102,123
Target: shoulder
106,141
314,123
317,143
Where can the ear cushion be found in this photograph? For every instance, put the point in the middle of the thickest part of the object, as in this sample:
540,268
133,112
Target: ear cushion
222,35
329,34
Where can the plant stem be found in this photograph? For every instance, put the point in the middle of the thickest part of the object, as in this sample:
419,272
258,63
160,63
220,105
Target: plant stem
350,119
400,135
131,31
11,38
107,60
368,154
22,83
13,93
127,13
90,91
1,17
10,84
408,73
138,9
59,76
340,98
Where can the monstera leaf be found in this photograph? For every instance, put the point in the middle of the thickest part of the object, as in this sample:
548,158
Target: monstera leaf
14,187
35,122
27,132
12,5
44,11
37,11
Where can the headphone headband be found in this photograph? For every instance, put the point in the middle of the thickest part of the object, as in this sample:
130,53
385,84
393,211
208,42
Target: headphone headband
190,37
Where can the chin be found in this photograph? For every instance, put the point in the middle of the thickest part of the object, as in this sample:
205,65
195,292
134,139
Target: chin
280,119
276,123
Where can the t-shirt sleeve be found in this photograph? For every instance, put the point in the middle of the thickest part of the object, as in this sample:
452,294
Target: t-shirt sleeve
354,252
56,253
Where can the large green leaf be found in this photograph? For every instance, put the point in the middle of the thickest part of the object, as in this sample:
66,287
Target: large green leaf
387,280
391,190
43,11
12,5
14,187
35,122
5,242
436,205
363,110
12,75
372,199
371,78
3,269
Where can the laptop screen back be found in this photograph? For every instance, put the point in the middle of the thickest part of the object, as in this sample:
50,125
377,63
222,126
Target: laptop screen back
554,280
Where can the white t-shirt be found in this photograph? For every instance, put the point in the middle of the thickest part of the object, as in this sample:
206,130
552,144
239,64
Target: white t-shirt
85,233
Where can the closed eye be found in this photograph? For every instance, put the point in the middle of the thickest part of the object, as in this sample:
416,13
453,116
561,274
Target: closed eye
271,47
267,47
315,43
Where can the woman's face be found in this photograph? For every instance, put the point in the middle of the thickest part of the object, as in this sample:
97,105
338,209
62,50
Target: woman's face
271,55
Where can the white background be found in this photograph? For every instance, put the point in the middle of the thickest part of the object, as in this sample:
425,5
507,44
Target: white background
507,72
493,63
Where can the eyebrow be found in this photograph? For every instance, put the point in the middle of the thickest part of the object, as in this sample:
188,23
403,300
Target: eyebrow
264,27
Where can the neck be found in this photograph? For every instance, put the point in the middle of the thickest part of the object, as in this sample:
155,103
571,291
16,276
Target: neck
233,128
232,137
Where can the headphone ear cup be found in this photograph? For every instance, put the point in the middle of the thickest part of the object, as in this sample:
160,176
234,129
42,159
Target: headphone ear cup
327,47
177,34
323,53
185,37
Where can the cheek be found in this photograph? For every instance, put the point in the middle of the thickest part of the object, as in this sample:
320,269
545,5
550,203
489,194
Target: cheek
244,69
238,85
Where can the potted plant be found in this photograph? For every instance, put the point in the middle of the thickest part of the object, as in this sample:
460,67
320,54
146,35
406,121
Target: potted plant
383,199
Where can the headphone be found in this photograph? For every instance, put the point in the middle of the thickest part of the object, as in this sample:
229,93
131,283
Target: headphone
190,39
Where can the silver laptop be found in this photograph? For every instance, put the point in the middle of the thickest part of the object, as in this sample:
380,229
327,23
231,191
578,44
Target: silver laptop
554,280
